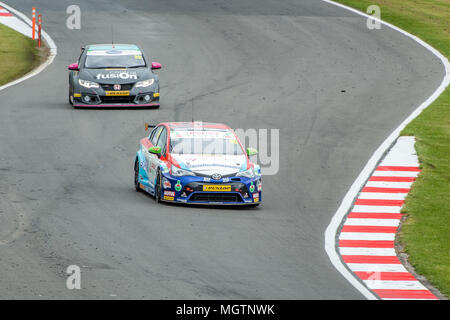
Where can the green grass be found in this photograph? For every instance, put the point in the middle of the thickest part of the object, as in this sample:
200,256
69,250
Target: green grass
425,234
18,55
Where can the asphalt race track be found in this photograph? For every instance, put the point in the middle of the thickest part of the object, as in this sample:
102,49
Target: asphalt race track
334,89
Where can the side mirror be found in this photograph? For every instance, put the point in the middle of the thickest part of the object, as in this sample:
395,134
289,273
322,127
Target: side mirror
155,150
156,65
74,66
251,151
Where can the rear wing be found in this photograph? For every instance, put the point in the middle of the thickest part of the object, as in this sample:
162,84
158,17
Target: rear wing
147,126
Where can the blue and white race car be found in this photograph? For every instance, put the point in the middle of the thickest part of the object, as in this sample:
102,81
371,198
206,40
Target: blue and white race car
198,163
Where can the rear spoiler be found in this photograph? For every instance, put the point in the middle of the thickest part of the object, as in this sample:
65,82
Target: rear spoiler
147,125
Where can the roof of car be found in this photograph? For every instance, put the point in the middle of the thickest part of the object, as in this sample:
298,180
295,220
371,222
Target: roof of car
111,46
197,124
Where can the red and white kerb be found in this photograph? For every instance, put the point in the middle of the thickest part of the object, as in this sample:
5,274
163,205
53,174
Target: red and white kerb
5,13
366,241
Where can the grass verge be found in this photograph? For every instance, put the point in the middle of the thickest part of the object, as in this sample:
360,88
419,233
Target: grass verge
425,234
18,55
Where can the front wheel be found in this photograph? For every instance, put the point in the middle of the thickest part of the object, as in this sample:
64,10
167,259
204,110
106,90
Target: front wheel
136,176
158,187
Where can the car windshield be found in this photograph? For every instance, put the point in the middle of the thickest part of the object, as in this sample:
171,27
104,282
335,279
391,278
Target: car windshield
114,59
204,142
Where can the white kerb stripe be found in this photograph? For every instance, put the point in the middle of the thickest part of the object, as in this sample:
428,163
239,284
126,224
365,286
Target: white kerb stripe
394,284
376,267
389,184
367,236
382,196
395,173
385,209
350,251
372,222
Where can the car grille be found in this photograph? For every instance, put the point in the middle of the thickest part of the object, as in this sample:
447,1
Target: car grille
110,87
216,197
117,99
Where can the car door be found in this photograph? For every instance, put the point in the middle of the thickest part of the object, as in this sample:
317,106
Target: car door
158,140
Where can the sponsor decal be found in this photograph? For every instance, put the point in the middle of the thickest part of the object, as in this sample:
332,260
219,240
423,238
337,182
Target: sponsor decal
252,187
166,184
169,195
117,93
123,75
215,188
143,163
178,186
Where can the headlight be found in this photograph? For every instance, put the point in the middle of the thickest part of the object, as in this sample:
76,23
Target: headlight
144,84
178,172
247,173
88,84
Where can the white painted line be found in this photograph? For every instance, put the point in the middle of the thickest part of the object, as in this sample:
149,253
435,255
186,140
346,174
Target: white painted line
382,209
372,222
394,284
347,201
349,251
382,196
50,43
376,267
366,236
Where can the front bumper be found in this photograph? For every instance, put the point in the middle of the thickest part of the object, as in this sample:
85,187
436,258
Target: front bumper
99,98
201,190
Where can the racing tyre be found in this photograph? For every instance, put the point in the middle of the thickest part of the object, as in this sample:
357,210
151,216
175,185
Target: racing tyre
70,93
136,176
158,187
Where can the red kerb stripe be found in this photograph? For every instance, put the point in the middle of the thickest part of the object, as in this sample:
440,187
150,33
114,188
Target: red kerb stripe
379,202
398,276
371,259
366,243
392,179
385,190
404,294
374,215
397,168
370,229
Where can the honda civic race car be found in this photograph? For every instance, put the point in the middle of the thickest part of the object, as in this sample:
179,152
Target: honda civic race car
113,75
198,163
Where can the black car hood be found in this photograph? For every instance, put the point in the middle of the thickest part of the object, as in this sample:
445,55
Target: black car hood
116,76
